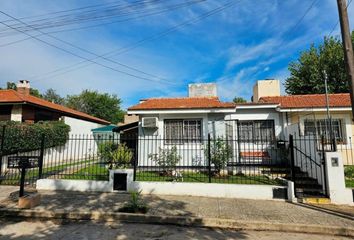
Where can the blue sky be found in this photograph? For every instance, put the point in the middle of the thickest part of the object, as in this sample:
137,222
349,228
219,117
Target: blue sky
249,41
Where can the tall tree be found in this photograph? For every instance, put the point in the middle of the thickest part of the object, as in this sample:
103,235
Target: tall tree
51,96
101,105
306,74
239,100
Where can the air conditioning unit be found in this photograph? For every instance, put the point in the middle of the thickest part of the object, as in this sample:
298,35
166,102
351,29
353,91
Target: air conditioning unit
149,122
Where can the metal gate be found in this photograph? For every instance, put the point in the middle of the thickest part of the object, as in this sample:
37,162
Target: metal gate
307,154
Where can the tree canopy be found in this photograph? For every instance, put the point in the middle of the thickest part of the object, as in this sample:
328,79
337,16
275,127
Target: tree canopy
239,100
52,96
307,72
101,105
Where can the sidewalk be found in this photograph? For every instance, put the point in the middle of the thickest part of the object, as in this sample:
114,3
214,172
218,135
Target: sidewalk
200,208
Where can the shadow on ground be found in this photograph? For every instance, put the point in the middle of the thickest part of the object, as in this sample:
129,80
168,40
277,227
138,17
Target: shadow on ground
17,229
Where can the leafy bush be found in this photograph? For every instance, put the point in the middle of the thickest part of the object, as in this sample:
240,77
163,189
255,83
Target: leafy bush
135,204
122,156
105,150
24,137
166,158
220,153
115,155
349,171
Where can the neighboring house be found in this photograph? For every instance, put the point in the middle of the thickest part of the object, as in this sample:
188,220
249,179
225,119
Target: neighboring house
22,107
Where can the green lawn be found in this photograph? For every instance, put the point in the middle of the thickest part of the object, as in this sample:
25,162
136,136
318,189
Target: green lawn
201,177
94,172
14,178
349,183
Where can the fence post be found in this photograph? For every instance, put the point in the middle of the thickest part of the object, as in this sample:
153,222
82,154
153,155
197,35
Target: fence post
135,157
2,146
41,157
292,157
209,158
324,166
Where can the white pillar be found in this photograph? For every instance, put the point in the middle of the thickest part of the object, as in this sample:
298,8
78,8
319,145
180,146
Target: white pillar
338,193
16,113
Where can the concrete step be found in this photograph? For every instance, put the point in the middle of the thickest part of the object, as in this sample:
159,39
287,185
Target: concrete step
314,200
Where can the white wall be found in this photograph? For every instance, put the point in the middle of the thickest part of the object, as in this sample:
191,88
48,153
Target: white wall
192,154
338,193
16,113
79,126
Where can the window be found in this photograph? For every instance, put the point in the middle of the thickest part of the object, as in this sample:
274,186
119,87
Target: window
260,130
182,131
322,128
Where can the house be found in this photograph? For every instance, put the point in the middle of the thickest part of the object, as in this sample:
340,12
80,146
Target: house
254,127
22,107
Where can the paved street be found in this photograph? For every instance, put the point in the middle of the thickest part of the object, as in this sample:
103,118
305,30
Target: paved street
91,230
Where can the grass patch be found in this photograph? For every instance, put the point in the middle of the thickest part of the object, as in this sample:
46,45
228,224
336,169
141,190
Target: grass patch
201,177
349,183
100,173
96,172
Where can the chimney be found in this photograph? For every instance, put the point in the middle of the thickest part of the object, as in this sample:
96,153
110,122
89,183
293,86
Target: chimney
23,87
266,88
202,90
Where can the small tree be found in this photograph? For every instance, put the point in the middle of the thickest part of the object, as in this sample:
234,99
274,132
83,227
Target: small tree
167,159
220,153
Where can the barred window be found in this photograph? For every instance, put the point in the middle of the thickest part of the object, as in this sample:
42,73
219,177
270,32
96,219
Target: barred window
182,131
257,130
321,127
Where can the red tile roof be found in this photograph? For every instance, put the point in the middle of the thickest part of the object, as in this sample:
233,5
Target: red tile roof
12,96
181,103
309,100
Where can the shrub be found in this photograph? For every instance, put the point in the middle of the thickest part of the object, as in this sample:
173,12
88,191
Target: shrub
220,153
122,156
135,204
105,150
24,137
167,159
349,171
115,155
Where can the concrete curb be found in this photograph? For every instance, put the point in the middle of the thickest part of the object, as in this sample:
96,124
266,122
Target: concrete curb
179,221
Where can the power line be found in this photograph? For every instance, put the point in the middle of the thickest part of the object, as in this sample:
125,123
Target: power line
150,38
85,14
107,23
74,54
133,17
335,25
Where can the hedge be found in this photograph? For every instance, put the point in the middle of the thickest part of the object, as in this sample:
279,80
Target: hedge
24,137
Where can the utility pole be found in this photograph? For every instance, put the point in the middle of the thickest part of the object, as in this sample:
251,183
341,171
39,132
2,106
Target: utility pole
347,46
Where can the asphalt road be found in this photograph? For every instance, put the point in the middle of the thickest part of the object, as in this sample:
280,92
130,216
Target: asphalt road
18,229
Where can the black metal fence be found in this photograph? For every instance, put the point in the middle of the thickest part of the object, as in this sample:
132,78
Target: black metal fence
211,160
